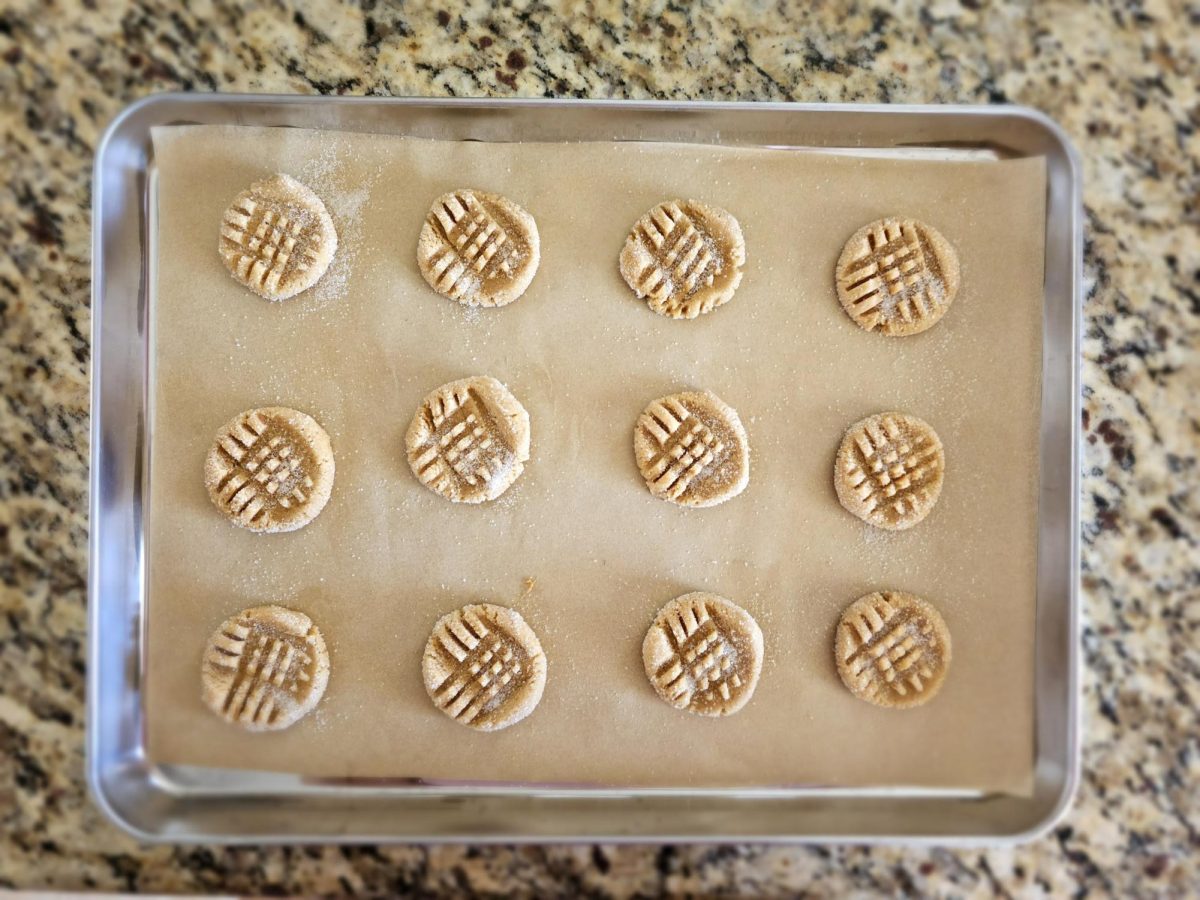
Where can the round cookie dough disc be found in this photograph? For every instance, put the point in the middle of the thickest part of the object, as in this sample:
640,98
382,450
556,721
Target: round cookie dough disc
469,440
703,653
684,258
892,649
270,469
264,668
692,449
889,470
479,249
484,667
897,276
277,238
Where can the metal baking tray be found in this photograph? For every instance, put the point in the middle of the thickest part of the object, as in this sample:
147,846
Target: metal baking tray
172,803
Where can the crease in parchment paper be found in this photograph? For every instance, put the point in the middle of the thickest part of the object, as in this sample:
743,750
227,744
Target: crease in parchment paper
387,557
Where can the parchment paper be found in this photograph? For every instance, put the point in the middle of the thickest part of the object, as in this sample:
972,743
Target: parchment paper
387,557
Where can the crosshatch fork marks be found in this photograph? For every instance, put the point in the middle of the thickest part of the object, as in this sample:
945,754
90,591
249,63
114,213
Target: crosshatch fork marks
691,449
270,469
890,469
468,440
265,668
487,665
268,243
684,258
484,667
703,654
898,276
476,245
478,249
277,238
464,442
702,669
267,466
893,649
898,262
688,447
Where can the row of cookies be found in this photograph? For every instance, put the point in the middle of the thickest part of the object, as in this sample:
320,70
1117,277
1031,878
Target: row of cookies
685,258
271,469
483,666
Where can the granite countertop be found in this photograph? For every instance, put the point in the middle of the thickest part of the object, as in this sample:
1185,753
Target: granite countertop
1122,81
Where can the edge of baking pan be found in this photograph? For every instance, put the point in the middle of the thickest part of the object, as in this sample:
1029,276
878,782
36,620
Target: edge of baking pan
157,804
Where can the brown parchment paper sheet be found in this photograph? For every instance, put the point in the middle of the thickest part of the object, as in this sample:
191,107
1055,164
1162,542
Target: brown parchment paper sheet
387,557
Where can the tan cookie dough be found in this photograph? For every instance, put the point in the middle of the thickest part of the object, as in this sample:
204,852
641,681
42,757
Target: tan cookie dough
897,276
889,470
270,469
264,668
703,653
692,449
469,440
484,667
684,258
892,649
277,238
479,249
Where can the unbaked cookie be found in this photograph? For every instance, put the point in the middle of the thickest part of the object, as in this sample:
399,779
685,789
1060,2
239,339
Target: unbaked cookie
703,653
277,238
264,668
684,258
477,248
484,667
897,276
889,470
270,469
892,649
692,449
469,440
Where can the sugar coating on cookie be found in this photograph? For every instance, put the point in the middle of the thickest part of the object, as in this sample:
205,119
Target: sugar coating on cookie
684,258
889,470
892,649
264,669
703,654
469,440
477,248
270,469
897,276
692,450
484,667
277,238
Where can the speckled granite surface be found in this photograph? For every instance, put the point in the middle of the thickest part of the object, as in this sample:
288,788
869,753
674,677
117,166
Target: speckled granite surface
1121,78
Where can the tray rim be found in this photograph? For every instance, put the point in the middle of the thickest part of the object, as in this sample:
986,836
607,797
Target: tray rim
103,778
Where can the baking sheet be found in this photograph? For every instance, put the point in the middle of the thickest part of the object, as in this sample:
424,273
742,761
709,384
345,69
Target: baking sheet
387,557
